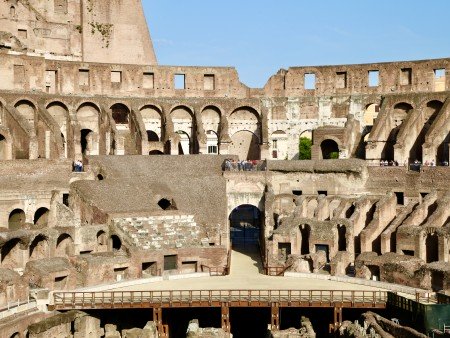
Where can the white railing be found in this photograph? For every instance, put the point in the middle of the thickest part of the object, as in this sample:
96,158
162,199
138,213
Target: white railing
13,308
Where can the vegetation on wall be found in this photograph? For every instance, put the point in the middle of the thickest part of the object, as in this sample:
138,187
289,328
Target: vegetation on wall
104,29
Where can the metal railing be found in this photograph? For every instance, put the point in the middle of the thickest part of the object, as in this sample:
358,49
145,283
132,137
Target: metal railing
13,308
175,298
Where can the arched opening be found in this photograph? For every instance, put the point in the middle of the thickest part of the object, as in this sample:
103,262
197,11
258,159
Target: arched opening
156,152
41,216
368,120
245,144
184,146
305,145
120,113
86,141
183,124
211,119
432,248
279,145
305,231
27,110
116,243
12,11
39,248
102,241
64,246
349,212
166,204
245,225
212,142
15,335
16,219
342,242
3,148
399,114
12,254
100,177
330,149
430,113
151,117
152,136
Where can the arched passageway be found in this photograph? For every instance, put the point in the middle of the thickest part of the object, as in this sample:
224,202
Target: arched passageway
39,248
64,246
245,144
16,219
305,231
41,216
184,146
120,113
12,255
245,225
116,243
432,248
86,141
330,149
342,242
152,136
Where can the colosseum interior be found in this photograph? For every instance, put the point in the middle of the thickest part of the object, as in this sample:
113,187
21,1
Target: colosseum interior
369,207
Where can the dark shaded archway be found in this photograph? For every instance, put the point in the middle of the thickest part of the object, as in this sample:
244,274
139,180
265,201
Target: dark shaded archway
342,242
64,246
16,219
116,243
41,216
432,248
245,225
305,231
39,248
86,135
330,149
120,113
152,136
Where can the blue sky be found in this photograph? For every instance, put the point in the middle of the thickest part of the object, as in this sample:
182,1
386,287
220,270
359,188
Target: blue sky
259,37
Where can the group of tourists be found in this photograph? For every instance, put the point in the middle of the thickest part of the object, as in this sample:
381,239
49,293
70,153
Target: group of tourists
77,166
243,165
389,164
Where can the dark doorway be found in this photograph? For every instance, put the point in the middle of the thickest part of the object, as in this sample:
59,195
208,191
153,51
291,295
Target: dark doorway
249,322
342,242
432,245
305,231
330,149
245,225
86,135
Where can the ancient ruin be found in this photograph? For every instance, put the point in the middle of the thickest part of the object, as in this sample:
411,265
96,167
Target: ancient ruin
86,203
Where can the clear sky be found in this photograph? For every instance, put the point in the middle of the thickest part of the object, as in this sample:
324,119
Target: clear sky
259,37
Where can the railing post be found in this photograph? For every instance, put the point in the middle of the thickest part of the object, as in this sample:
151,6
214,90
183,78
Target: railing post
157,319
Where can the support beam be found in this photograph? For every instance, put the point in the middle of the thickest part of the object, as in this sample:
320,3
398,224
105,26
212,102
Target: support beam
163,330
275,317
225,317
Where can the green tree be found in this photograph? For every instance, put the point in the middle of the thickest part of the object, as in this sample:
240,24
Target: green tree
334,155
304,148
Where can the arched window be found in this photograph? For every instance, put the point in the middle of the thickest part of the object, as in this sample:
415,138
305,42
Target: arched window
41,216
330,149
16,219
120,113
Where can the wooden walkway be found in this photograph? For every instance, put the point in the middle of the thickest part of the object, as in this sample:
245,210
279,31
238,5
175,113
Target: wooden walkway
217,298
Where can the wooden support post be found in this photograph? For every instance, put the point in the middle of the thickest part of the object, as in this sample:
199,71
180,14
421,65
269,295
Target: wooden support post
225,317
337,318
157,319
275,318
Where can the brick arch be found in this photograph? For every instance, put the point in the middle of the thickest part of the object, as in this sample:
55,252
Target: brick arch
190,109
25,99
152,105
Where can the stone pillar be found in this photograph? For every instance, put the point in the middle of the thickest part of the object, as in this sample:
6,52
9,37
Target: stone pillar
47,143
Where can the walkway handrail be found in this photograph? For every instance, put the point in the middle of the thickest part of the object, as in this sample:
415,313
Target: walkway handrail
80,300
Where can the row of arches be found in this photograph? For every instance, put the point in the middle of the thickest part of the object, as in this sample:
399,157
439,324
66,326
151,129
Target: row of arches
17,218
88,124
16,252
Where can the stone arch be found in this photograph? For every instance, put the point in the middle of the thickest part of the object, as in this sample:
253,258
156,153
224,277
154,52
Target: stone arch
120,114
184,144
17,334
39,248
311,208
12,13
432,247
341,237
279,144
16,219
152,118
88,116
246,145
334,204
41,216
60,114
329,149
64,246
152,136
398,114
305,145
370,114
211,116
12,254
27,110
430,112
305,232
245,225
183,119
102,241
245,118
116,243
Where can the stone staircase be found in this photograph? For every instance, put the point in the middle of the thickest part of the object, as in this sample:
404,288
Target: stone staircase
160,232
